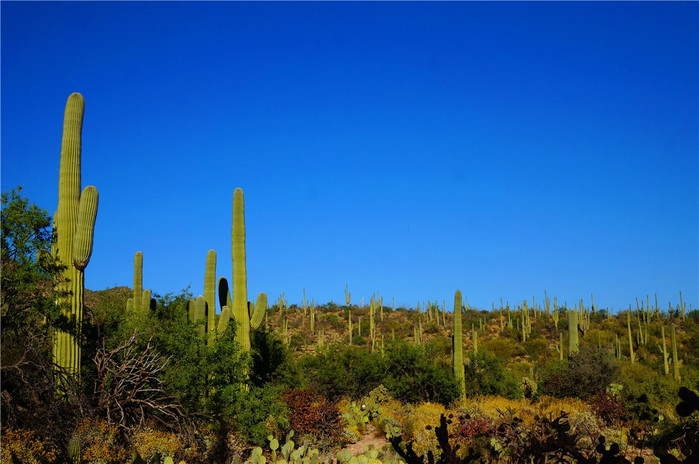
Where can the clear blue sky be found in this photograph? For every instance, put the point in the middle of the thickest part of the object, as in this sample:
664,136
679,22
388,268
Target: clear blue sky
412,149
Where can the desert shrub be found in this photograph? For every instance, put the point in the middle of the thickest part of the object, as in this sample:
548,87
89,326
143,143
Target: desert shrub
260,412
148,443
485,375
586,373
339,370
501,347
23,447
414,374
418,423
609,407
311,414
535,347
99,441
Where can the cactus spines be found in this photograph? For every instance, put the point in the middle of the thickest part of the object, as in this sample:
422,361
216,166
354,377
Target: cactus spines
457,345
74,224
572,332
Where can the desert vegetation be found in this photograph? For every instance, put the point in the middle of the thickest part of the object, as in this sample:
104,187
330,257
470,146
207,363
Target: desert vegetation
129,375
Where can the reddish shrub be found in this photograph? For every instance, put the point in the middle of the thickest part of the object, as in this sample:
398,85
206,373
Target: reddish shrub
313,414
472,427
609,407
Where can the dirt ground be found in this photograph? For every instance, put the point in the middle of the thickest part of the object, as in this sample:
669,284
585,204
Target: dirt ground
370,438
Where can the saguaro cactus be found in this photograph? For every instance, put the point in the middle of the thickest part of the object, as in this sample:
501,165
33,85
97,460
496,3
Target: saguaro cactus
572,332
246,316
141,301
628,327
675,359
74,224
210,296
457,348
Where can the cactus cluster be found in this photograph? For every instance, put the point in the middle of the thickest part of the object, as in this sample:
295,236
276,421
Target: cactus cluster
74,225
141,301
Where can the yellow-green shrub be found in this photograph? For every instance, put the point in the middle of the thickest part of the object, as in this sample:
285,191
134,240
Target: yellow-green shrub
100,442
147,442
22,447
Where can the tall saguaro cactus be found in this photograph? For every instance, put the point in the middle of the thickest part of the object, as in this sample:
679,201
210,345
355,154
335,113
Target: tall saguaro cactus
573,343
246,316
74,224
457,345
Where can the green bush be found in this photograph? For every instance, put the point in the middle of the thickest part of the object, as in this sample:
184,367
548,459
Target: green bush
271,360
586,373
338,370
415,373
485,375
259,413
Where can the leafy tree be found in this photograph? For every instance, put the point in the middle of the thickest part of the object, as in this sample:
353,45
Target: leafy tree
27,301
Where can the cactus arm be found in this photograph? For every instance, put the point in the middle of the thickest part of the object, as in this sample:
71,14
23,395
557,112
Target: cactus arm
87,215
223,321
258,314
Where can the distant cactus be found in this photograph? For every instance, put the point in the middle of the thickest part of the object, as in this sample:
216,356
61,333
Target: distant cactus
573,344
74,225
457,346
141,302
663,350
675,359
628,327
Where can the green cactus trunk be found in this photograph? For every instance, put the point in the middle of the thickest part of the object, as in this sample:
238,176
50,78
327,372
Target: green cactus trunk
666,367
457,346
573,344
74,224
240,277
628,327
210,296
675,359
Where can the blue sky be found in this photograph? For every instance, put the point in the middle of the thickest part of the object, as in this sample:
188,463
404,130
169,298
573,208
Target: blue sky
409,149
